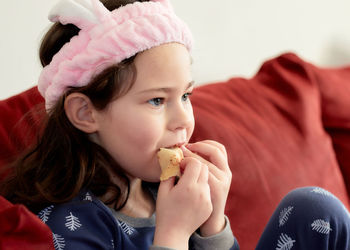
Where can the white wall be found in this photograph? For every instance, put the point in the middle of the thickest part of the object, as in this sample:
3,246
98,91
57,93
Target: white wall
233,37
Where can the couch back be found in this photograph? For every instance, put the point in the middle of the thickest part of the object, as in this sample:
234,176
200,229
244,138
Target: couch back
287,127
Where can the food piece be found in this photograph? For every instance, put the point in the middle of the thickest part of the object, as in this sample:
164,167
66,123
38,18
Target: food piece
169,161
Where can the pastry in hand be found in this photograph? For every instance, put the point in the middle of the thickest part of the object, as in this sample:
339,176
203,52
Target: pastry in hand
169,161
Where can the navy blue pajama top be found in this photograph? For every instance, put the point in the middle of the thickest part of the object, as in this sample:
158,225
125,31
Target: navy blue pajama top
87,223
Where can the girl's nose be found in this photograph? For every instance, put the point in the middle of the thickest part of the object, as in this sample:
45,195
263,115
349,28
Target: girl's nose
181,116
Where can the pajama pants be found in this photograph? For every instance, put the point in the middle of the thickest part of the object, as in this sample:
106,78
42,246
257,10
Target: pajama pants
307,219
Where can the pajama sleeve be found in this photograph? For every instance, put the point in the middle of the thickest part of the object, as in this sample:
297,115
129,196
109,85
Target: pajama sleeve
81,225
223,240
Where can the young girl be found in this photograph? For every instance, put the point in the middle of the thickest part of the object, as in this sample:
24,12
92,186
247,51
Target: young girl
116,83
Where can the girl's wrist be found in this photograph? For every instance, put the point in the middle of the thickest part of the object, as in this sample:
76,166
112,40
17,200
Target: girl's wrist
171,239
213,226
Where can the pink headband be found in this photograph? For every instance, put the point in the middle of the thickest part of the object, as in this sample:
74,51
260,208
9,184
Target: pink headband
106,38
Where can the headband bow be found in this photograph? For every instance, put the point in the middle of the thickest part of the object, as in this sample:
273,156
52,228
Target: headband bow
106,38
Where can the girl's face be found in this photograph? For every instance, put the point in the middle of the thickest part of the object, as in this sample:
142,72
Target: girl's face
155,113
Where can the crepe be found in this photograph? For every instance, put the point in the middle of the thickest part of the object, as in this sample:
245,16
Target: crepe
169,161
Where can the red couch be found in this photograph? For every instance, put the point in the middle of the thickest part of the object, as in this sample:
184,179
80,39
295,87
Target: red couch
287,127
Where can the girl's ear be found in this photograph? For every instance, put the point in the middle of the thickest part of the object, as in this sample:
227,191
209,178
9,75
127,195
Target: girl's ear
81,112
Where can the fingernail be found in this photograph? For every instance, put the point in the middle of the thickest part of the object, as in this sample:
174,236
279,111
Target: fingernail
184,147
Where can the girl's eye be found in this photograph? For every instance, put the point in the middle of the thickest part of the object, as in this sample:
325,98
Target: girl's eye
156,101
186,96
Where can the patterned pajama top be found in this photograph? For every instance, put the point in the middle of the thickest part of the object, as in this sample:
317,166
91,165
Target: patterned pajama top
87,223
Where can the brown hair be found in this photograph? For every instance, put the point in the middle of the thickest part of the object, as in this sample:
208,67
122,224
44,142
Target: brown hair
64,160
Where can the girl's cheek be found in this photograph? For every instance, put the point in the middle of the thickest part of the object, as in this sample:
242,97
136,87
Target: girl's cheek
191,128
148,134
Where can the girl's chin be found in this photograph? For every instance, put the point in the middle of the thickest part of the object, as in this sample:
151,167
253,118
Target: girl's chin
154,177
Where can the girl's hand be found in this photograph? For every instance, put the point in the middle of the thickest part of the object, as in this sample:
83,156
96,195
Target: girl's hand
183,207
213,154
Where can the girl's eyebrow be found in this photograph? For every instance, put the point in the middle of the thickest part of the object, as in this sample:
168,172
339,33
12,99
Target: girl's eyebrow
167,90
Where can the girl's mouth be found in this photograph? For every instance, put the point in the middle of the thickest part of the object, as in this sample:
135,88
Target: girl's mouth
177,145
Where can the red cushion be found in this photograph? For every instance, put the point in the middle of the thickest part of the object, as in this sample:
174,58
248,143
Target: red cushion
20,229
273,127
17,130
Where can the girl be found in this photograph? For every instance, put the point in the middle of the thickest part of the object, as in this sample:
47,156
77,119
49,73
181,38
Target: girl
116,83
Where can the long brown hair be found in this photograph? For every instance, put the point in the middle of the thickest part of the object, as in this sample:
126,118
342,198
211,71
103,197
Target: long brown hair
64,160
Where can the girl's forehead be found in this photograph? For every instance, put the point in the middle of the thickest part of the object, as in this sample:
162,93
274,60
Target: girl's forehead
162,67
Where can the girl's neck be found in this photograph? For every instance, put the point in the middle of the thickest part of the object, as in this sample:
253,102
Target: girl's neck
140,203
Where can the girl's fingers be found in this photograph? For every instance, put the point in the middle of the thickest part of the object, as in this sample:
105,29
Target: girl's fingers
211,151
218,145
192,170
212,169
166,186
204,175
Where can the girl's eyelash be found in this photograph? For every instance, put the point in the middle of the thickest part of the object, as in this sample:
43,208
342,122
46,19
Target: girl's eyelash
186,96
156,101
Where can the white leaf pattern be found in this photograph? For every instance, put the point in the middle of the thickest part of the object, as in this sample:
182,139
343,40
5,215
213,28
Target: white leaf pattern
88,197
322,191
329,194
58,242
126,228
284,215
321,226
285,242
45,213
72,222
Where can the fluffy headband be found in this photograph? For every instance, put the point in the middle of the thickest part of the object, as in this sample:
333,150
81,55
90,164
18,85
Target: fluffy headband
106,38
